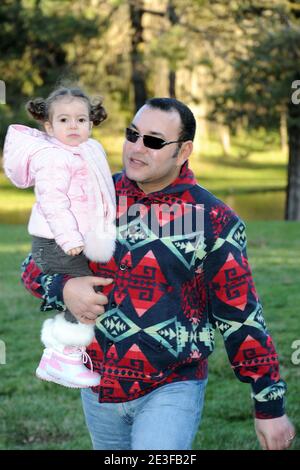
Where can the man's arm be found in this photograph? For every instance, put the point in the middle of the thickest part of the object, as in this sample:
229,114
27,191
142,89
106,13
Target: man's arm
237,312
59,292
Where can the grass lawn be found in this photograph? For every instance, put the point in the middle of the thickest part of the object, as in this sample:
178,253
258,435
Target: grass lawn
38,415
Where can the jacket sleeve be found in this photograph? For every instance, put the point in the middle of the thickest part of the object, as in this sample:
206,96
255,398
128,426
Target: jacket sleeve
237,312
46,287
52,180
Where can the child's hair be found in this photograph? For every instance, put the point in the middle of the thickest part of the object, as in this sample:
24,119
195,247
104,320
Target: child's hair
40,109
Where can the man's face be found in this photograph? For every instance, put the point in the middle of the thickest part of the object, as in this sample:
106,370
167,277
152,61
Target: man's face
154,169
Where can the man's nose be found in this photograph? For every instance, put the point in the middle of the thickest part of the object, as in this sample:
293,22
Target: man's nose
139,145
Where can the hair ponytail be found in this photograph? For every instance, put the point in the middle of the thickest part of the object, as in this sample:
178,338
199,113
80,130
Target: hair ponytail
37,109
97,112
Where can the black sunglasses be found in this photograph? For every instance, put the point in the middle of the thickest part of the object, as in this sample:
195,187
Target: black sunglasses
148,140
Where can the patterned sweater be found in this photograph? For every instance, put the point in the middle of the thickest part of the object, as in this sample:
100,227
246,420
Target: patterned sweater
180,270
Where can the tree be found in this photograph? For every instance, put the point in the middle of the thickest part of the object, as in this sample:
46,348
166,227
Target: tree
265,61
138,67
34,57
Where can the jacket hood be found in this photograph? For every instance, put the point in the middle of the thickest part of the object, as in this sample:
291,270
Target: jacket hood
21,143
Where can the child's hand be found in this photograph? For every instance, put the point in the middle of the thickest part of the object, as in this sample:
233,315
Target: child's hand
75,251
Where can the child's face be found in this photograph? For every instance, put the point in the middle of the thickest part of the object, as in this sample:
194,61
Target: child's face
70,123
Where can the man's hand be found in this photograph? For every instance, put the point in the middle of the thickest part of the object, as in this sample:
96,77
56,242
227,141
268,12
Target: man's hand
276,433
82,300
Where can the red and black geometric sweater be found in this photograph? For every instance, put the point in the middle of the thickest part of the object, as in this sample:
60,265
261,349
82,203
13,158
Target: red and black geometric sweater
180,270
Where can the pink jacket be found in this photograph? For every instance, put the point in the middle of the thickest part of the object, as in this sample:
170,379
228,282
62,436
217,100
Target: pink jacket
75,195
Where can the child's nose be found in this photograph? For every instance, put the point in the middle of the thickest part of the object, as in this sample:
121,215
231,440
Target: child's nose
73,123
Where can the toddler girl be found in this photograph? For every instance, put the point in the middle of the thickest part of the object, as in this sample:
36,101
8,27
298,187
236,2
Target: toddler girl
73,219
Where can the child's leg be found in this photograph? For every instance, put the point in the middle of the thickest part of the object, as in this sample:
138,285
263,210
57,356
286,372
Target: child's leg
64,337
70,317
51,259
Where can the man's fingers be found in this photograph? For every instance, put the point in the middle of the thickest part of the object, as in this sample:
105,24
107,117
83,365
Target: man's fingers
99,299
289,441
95,311
99,281
263,441
87,321
82,300
273,442
279,443
90,317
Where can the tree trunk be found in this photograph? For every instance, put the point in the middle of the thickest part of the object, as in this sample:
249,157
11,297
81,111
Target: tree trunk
225,139
292,211
138,69
172,84
173,18
283,132
2,92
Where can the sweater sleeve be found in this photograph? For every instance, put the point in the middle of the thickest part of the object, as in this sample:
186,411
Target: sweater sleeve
52,181
237,312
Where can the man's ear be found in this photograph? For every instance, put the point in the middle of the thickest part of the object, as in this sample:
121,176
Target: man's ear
185,152
48,128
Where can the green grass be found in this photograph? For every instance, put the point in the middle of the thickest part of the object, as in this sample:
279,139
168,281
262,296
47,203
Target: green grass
33,415
255,164
37,415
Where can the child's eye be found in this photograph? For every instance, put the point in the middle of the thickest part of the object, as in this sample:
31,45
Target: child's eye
82,120
63,120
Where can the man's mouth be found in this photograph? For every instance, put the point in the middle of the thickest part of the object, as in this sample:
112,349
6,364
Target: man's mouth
136,162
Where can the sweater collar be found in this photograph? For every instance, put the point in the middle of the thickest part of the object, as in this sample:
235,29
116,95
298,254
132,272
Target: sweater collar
184,181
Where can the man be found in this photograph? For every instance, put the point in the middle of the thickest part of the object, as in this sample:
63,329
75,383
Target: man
179,270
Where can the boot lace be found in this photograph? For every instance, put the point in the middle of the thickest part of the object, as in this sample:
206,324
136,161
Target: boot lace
86,359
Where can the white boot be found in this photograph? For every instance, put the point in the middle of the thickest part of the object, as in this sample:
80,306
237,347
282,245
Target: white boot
64,357
59,332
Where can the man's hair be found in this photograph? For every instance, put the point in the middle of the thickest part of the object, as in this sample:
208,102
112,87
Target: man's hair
188,122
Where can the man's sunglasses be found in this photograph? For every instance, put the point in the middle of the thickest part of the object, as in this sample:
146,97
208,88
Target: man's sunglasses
148,140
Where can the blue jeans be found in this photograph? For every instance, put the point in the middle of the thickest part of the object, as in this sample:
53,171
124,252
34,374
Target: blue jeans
166,418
